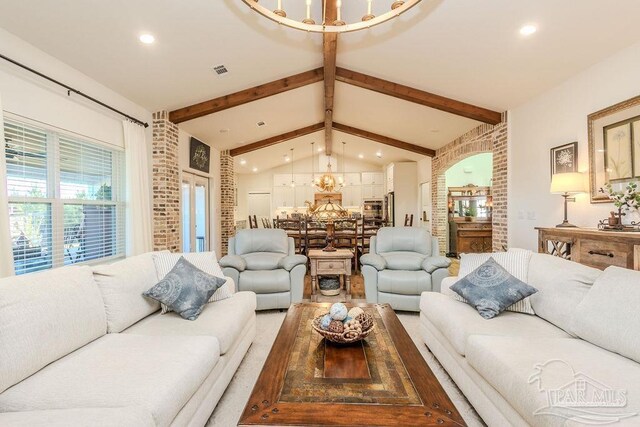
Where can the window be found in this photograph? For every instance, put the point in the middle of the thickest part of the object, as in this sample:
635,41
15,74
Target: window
65,198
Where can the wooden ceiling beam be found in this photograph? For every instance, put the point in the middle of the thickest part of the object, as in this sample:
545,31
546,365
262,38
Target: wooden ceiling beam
392,142
418,96
276,139
329,48
245,96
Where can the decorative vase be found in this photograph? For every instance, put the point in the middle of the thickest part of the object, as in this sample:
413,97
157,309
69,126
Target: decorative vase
631,217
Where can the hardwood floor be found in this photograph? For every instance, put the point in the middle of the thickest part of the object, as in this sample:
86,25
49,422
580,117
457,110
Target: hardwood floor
357,284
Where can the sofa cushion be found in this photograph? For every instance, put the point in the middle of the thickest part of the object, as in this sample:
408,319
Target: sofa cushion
185,289
127,416
265,281
159,374
491,289
528,371
261,240
223,319
121,285
561,286
410,239
608,315
205,261
457,321
515,261
44,316
263,260
403,260
404,282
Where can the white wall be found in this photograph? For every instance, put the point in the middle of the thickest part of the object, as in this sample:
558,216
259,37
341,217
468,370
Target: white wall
424,197
215,194
556,117
27,95
479,171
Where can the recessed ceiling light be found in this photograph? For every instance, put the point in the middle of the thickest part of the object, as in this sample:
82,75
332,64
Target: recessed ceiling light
147,38
255,169
361,156
379,154
527,30
225,130
320,149
286,158
243,162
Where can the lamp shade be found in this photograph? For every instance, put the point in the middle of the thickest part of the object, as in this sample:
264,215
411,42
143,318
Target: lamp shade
569,182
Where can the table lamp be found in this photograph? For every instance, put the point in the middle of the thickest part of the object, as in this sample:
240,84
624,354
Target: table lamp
567,184
328,213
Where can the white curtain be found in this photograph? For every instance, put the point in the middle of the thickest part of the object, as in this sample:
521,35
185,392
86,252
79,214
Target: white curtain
6,247
139,221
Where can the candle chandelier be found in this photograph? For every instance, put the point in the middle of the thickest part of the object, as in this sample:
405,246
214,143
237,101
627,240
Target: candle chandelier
312,13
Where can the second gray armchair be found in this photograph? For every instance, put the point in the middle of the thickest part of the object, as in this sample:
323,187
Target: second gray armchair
264,261
402,263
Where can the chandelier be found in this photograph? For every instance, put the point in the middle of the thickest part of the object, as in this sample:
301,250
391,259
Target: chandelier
312,13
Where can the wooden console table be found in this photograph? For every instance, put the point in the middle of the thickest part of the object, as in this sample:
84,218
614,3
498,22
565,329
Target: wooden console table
592,247
336,263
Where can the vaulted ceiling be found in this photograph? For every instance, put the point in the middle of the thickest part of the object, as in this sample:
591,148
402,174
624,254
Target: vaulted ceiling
468,50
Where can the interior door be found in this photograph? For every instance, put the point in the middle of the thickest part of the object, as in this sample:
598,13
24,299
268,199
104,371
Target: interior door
195,213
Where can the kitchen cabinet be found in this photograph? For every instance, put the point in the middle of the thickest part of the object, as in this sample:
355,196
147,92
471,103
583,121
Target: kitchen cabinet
372,178
282,180
372,192
352,178
390,178
283,196
352,195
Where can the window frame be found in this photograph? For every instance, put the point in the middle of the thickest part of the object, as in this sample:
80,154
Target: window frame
57,203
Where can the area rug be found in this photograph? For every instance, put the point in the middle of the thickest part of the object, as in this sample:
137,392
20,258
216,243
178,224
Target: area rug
230,407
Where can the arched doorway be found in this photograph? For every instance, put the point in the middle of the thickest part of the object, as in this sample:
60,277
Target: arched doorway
483,139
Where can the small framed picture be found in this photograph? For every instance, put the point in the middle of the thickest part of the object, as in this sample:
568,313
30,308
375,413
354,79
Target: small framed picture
199,155
564,158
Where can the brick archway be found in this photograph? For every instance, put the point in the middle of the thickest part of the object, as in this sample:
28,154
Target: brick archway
483,139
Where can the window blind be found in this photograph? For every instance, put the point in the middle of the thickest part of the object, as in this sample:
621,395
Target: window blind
66,198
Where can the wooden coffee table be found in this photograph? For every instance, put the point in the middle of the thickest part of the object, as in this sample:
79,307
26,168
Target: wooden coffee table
381,381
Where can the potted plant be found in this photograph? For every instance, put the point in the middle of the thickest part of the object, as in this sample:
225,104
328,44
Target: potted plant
629,200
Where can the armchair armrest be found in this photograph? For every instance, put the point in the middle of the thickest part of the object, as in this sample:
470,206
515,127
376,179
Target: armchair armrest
431,264
290,261
374,260
233,261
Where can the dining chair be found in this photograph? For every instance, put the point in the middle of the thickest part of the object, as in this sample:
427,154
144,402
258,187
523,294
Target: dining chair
266,222
346,237
253,222
293,228
408,220
315,235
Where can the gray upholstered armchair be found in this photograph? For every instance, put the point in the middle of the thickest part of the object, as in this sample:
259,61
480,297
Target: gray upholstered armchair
264,261
402,263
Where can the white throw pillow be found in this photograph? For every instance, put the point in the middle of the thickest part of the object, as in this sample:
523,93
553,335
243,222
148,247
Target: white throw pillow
608,315
122,284
515,261
205,261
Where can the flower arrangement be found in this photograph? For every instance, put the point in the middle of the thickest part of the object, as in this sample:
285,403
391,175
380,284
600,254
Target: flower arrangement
628,199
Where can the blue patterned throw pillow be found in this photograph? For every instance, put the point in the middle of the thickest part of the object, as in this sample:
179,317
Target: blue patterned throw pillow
185,289
491,289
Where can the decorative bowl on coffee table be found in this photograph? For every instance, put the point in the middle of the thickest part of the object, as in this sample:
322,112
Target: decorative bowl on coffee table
346,337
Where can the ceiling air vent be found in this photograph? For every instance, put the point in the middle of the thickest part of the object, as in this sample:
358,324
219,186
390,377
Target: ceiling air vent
260,123
220,70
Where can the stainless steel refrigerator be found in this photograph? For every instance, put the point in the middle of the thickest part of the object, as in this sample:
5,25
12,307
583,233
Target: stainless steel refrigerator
390,212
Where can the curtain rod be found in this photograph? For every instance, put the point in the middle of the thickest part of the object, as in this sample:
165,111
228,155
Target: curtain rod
76,91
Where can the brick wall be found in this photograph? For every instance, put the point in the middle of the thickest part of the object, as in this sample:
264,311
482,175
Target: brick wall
227,200
166,184
483,139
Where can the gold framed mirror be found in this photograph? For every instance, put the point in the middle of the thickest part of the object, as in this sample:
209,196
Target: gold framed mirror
614,147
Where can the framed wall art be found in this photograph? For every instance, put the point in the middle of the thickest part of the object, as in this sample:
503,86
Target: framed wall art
614,148
564,158
199,155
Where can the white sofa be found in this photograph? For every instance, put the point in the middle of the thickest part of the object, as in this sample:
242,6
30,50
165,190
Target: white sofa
586,333
80,346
